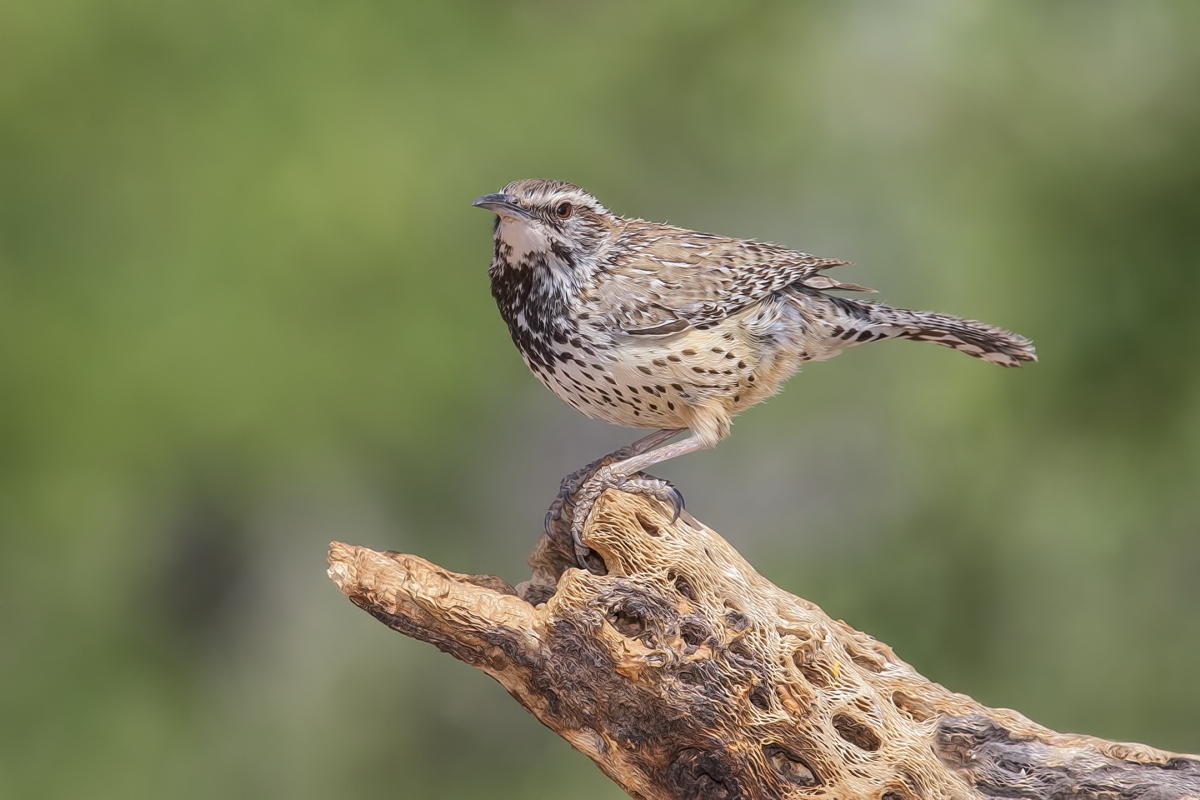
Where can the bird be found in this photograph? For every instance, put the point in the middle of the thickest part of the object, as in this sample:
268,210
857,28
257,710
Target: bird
648,325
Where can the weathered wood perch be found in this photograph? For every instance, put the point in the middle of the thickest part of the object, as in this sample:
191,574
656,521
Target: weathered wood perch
683,673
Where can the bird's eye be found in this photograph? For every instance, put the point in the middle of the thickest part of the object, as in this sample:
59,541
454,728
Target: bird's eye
563,211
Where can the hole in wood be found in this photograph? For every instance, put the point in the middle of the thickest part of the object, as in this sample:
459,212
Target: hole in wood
907,788
760,698
789,766
917,710
856,733
647,524
595,564
682,585
740,648
806,663
736,621
867,660
693,631
628,622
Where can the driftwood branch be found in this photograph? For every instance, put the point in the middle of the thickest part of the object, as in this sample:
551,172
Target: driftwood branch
683,673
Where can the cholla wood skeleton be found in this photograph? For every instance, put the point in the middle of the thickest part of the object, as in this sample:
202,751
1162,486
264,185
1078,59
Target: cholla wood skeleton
683,673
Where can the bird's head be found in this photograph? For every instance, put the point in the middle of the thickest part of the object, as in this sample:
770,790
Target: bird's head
549,224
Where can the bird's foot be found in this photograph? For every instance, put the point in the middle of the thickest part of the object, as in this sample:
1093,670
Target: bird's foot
571,484
562,509
583,500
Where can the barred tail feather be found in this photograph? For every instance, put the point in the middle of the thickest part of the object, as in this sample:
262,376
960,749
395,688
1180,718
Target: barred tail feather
977,339
989,343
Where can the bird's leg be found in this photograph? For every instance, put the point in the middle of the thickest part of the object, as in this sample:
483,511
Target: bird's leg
624,475
570,484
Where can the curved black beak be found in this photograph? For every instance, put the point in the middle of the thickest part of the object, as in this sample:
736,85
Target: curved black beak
501,203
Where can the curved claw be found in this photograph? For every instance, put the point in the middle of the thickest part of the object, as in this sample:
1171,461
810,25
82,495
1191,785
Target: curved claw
676,504
582,551
546,523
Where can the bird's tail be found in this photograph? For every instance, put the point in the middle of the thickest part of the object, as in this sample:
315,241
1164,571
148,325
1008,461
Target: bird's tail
864,321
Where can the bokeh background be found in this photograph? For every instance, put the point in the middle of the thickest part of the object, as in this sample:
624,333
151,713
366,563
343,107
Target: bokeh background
244,310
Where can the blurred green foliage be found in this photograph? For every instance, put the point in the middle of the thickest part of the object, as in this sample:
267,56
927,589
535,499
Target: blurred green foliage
244,310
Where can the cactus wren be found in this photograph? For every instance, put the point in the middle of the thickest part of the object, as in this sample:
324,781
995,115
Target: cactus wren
652,326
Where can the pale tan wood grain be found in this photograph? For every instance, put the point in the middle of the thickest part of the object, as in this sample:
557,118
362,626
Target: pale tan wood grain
683,673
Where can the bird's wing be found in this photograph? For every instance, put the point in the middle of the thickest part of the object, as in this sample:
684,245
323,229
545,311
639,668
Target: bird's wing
663,280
